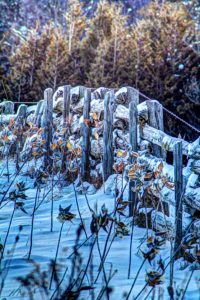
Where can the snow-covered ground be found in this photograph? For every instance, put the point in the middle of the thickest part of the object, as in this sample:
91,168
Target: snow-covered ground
45,243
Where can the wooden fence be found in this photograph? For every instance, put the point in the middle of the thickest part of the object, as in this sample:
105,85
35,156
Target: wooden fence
145,124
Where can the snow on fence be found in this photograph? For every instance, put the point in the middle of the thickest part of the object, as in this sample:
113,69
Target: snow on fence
121,124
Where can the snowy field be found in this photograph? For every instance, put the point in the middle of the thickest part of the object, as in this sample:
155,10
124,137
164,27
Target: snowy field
45,244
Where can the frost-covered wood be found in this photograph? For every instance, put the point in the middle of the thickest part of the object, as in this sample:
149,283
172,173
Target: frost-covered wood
192,192
66,119
100,93
155,120
38,113
119,136
66,104
58,99
75,94
194,149
121,96
161,139
120,139
195,166
133,99
78,107
178,183
7,107
48,122
85,129
97,148
151,163
21,113
97,107
122,112
108,158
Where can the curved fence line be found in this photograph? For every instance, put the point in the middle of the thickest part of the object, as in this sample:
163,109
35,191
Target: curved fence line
173,114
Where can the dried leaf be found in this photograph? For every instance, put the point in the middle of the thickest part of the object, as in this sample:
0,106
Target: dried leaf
63,131
164,180
12,122
53,146
148,176
69,146
6,138
35,153
156,174
77,151
40,131
134,154
160,166
170,185
131,173
121,153
95,116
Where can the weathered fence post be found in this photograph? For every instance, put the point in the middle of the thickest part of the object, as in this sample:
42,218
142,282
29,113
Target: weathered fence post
21,112
66,112
85,164
133,97
155,119
20,119
178,181
66,105
48,123
81,91
39,113
108,157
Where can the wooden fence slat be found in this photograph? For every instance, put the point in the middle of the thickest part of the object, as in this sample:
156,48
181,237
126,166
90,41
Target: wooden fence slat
39,113
66,115
48,123
178,181
108,157
21,112
87,101
133,97
155,119
20,119
85,130
66,104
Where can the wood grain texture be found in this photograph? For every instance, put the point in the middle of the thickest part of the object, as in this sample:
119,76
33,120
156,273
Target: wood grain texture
162,139
108,157
178,182
155,120
66,104
48,123
85,130
133,100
